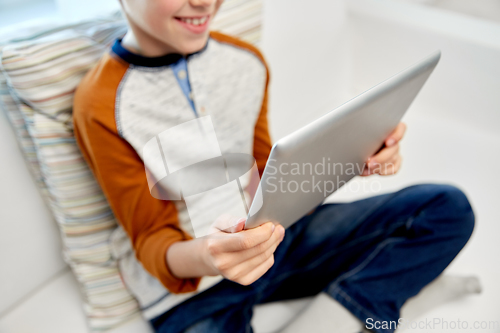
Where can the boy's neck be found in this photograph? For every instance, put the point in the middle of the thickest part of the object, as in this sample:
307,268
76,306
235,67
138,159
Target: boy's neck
139,42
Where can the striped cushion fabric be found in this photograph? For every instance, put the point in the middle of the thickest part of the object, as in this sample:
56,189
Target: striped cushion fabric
41,74
8,105
44,72
11,109
85,221
240,18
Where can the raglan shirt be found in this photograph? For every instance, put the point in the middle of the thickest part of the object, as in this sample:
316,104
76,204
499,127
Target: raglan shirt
127,99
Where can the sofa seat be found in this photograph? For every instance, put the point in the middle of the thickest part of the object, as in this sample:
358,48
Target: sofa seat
56,307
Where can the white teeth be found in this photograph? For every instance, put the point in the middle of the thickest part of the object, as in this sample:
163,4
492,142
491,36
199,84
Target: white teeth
195,21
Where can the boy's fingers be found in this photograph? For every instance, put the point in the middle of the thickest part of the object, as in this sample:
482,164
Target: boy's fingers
239,226
268,247
366,172
247,239
383,156
392,167
251,264
256,273
396,136
228,224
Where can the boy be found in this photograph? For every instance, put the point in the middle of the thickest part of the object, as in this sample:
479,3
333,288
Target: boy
167,70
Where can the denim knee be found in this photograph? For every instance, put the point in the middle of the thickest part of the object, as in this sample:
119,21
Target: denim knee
454,207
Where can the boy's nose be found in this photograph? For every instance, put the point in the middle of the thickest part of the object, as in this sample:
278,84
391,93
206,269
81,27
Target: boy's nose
202,3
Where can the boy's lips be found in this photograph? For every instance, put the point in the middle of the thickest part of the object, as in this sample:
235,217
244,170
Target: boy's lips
195,24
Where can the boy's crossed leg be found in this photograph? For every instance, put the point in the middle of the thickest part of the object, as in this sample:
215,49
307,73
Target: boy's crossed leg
370,255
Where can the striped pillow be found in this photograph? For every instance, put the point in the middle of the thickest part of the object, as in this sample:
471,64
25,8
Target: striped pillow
42,73
240,18
11,109
85,220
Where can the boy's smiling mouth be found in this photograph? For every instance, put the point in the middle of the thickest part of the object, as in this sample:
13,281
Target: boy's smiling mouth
195,24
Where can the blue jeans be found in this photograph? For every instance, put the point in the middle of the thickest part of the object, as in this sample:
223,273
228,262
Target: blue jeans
370,255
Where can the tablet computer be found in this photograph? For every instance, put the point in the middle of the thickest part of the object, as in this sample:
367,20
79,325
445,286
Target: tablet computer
313,162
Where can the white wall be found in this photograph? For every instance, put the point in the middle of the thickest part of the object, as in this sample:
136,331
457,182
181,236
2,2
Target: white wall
306,47
388,36
74,10
321,53
18,12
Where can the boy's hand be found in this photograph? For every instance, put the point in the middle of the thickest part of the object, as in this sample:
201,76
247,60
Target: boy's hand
387,161
242,256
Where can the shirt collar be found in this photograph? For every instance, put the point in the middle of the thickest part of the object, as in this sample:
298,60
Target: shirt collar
139,60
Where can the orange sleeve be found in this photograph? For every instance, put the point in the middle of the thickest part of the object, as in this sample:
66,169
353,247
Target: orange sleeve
262,140
151,224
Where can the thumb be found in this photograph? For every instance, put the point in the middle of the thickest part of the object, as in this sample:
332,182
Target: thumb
239,226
